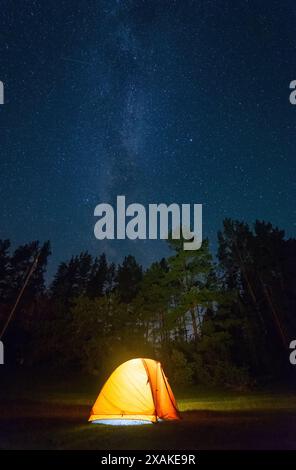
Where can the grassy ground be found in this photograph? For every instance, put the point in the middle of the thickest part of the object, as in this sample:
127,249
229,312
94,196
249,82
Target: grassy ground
38,412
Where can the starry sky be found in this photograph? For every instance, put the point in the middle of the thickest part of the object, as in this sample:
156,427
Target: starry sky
182,101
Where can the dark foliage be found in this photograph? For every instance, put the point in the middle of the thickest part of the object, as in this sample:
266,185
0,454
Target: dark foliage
230,323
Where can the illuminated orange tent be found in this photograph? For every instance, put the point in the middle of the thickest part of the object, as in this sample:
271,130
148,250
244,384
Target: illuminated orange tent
138,390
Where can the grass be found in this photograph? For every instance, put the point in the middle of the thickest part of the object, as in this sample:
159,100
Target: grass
40,411
231,402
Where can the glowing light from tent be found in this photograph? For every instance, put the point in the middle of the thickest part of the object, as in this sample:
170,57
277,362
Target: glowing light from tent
121,422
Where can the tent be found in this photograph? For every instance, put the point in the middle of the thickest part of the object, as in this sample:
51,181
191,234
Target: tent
137,391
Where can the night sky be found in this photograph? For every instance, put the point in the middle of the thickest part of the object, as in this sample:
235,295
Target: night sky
162,101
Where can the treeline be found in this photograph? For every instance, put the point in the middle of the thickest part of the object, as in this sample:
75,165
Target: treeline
226,322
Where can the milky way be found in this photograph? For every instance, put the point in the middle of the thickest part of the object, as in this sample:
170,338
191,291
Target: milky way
171,101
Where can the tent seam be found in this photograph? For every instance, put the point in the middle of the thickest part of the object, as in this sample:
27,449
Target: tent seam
147,371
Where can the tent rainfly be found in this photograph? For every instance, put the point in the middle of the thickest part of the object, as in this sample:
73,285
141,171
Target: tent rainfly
137,391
